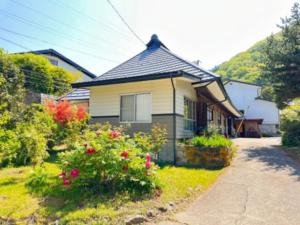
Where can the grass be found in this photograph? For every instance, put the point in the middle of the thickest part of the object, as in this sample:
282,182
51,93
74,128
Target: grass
74,207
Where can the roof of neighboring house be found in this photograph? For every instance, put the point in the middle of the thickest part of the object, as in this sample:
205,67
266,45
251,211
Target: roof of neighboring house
52,52
78,94
155,61
242,82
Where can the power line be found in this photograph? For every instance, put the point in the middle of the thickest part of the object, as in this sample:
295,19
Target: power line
51,43
79,12
69,26
124,21
15,43
48,29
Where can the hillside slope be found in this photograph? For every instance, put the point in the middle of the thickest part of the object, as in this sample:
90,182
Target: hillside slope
245,66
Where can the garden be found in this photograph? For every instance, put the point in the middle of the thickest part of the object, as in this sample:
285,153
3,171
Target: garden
57,168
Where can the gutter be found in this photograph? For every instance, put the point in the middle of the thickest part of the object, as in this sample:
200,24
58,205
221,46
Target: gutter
174,120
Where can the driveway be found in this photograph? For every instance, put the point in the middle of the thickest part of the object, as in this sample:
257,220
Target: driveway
262,187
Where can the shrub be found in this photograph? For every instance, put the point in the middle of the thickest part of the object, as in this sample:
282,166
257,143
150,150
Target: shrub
290,126
213,141
70,121
153,141
107,159
26,141
211,130
37,181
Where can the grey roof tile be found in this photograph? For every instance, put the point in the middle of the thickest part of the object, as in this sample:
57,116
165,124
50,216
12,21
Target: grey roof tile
157,58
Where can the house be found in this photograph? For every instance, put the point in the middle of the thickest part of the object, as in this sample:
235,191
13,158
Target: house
260,116
77,96
158,86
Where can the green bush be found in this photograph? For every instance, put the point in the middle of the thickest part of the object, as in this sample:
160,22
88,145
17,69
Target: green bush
213,141
107,159
37,181
290,126
212,130
25,142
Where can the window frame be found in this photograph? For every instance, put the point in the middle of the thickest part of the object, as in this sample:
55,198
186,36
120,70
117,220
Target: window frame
193,113
211,111
135,107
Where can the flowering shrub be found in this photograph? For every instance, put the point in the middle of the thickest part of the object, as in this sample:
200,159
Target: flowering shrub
70,120
64,112
108,159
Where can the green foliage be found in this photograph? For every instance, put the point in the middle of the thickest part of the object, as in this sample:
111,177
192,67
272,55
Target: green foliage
213,141
245,66
41,76
38,180
282,67
107,159
211,130
25,142
290,126
151,142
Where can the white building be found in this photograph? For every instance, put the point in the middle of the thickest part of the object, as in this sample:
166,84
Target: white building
263,113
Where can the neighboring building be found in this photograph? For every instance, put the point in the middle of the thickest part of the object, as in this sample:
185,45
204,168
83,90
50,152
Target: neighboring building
77,96
157,86
260,116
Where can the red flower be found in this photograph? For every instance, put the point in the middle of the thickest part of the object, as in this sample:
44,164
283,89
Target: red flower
125,154
63,174
148,165
125,168
148,157
64,112
114,134
90,151
74,172
81,114
66,181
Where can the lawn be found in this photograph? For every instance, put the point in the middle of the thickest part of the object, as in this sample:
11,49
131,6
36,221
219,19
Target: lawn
19,205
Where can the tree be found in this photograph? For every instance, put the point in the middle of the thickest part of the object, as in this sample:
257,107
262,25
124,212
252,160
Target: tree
282,62
41,76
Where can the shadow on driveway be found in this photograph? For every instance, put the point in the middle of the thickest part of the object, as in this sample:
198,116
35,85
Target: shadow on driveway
274,159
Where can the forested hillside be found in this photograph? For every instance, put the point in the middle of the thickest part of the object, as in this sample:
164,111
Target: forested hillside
245,66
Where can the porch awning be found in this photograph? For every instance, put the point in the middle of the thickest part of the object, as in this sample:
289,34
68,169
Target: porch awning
217,90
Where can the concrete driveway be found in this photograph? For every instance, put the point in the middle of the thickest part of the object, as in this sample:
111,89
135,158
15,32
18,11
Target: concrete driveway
262,187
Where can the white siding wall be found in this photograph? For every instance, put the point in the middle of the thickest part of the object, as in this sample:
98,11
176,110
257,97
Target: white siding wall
264,109
184,89
242,94
70,68
105,100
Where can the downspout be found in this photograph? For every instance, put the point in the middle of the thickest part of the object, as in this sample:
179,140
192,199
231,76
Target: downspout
174,120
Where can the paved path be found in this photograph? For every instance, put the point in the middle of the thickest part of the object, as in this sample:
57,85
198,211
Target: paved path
262,187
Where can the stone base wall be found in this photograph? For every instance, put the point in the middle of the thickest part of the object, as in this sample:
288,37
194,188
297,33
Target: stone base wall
207,157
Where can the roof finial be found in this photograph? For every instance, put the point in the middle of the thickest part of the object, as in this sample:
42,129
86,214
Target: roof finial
155,42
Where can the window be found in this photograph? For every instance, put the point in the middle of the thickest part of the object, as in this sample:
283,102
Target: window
136,108
189,114
210,115
54,62
219,119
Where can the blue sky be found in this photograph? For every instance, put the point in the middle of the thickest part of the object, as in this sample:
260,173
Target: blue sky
90,33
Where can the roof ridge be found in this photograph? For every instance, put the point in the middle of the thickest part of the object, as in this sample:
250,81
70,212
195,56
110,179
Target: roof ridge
120,64
190,63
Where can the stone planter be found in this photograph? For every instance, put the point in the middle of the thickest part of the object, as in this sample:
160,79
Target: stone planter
207,157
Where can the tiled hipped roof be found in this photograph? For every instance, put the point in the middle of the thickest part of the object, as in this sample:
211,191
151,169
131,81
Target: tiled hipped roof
155,59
